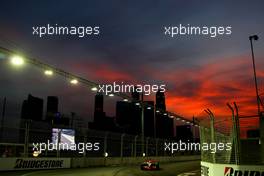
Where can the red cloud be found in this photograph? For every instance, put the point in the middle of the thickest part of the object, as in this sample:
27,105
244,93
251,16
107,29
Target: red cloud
102,72
212,86
191,90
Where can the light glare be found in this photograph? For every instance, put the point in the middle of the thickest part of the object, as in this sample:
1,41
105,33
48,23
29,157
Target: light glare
17,60
48,72
74,81
94,89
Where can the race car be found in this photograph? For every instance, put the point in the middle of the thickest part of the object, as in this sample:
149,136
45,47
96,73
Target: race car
150,165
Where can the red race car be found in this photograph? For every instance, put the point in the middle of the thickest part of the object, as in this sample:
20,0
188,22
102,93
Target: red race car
150,165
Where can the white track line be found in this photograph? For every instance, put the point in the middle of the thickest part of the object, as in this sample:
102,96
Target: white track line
189,173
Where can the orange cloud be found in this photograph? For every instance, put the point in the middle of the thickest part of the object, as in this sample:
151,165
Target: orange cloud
103,73
191,90
212,86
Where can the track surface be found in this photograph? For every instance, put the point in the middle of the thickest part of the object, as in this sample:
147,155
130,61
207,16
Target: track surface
171,169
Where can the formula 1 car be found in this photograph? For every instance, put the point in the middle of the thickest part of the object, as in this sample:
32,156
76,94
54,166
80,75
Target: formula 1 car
150,165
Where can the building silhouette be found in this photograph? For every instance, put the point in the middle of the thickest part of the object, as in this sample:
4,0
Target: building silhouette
128,117
160,101
149,118
32,108
99,113
31,120
184,133
135,95
164,124
101,121
52,108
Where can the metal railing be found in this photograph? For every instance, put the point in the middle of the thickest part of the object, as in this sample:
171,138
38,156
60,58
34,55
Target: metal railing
19,142
227,129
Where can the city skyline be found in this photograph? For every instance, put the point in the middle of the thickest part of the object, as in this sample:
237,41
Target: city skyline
153,87
216,71
126,120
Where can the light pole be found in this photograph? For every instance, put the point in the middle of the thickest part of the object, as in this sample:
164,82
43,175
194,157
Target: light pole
3,118
261,119
142,123
255,37
212,129
155,122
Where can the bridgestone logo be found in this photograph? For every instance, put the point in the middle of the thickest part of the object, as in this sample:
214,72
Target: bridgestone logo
229,171
22,164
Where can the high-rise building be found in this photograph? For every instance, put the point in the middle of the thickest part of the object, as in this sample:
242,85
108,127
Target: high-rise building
24,110
32,108
165,124
123,113
169,127
128,117
149,118
160,101
135,95
184,133
99,113
31,117
101,121
52,108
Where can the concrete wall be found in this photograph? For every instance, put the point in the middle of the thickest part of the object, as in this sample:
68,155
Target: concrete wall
112,161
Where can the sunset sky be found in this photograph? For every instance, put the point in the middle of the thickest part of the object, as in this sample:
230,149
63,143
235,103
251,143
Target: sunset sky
200,72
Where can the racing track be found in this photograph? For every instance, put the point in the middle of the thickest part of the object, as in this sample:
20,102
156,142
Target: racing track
169,169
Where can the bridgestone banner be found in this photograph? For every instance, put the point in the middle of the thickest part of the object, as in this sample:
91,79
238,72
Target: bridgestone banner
210,169
34,163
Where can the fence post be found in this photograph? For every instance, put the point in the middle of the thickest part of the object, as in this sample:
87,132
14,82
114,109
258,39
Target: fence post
121,147
236,123
142,125
85,142
58,143
213,133
156,148
135,144
164,153
147,142
262,136
211,116
26,138
234,133
105,142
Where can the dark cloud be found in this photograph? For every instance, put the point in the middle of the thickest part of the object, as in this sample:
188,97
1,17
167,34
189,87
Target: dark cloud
132,47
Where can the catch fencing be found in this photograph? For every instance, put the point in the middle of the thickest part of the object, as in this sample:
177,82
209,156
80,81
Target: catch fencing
22,141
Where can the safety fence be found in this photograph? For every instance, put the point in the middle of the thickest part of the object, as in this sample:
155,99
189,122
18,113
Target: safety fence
231,137
33,137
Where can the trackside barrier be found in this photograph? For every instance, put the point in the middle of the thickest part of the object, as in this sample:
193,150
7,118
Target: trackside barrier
8,164
212,169
111,161
34,163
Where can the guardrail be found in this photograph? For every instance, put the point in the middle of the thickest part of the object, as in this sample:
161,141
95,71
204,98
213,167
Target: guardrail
82,162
